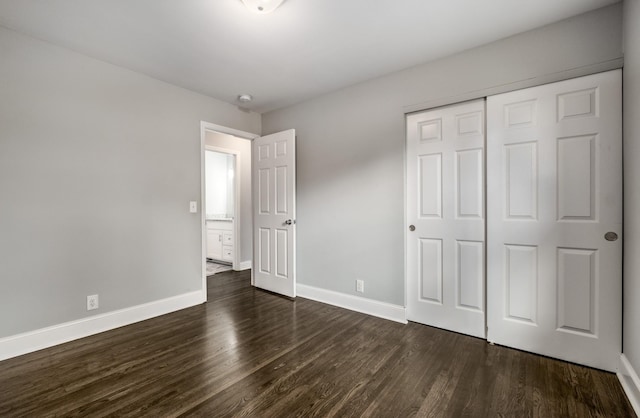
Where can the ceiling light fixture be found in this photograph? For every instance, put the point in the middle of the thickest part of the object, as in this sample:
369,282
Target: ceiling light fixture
262,6
245,98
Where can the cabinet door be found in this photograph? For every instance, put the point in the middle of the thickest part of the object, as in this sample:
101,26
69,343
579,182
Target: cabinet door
214,244
227,253
227,238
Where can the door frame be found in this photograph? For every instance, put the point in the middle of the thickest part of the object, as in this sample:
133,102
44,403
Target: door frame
212,127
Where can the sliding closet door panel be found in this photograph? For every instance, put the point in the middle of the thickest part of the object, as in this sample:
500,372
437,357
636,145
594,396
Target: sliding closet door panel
554,223
445,201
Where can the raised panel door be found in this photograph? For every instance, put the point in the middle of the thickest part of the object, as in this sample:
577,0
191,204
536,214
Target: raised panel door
274,213
445,204
554,181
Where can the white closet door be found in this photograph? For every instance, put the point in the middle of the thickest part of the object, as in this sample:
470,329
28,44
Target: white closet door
445,204
554,204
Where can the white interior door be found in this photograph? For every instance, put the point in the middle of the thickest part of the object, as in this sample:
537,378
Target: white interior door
445,214
274,212
554,179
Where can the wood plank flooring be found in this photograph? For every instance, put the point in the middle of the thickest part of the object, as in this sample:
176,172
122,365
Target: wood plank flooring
251,353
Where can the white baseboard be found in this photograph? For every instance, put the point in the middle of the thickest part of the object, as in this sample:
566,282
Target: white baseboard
630,382
355,303
244,265
28,342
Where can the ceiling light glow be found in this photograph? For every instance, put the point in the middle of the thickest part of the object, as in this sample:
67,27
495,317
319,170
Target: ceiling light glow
262,6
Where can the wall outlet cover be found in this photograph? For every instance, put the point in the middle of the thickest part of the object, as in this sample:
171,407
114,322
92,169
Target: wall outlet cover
92,302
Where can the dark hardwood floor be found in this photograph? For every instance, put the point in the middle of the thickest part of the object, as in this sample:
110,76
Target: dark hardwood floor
252,353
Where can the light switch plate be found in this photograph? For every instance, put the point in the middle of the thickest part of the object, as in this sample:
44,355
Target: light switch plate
193,206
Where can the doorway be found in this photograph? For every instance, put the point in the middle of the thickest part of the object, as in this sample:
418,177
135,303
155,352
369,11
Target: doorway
264,215
220,207
226,220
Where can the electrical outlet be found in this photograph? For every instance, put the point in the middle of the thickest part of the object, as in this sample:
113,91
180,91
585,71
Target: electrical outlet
92,302
360,286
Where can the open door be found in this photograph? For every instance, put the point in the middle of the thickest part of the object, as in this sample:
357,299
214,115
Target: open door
274,213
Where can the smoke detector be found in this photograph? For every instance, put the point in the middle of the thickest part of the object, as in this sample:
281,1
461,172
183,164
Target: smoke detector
262,6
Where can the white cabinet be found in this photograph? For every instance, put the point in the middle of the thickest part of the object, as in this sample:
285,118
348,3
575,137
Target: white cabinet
220,240
214,244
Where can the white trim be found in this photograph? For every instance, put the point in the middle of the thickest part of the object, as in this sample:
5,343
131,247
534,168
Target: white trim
236,200
203,221
600,67
17,345
405,212
204,128
354,303
630,382
244,265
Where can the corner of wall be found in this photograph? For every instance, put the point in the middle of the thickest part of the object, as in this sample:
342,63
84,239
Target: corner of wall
630,382
630,361
354,303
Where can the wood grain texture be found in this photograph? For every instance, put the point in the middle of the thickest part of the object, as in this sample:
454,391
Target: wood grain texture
249,353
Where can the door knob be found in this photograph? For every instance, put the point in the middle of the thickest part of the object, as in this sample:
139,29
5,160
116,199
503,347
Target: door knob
412,228
611,236
289,222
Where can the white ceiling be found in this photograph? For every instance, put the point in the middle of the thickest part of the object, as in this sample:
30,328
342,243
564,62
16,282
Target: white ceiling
303,49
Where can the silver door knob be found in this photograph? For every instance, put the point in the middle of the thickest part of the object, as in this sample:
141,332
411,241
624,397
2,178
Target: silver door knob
412,228
289,222
611,236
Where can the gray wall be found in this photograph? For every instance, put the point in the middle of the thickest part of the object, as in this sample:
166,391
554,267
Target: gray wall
631,83
97,166
243,146
351,145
